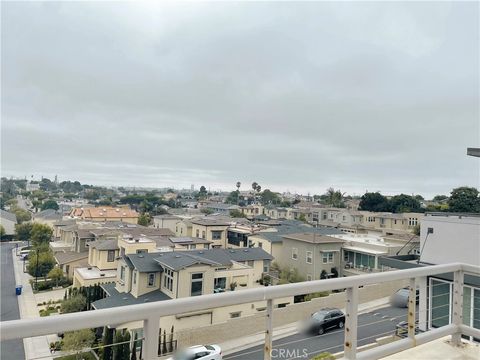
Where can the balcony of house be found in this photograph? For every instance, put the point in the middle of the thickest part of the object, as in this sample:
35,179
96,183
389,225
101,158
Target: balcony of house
444,320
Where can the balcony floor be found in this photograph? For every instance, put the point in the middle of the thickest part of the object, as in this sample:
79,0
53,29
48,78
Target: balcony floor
440,349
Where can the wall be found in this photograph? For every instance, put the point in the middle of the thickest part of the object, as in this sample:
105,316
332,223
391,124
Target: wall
166,223
9,226
208,233
454,239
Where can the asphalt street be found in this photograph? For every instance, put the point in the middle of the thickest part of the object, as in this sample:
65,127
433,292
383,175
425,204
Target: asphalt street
11,349
371,325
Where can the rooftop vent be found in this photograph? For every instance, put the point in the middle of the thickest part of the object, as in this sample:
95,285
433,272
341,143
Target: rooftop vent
245,250
124,214
90,268
200,252
125,298
141,256
177,256
137,240
104,209
102,274
117,210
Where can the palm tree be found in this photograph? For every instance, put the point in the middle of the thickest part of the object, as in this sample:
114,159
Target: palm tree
238,185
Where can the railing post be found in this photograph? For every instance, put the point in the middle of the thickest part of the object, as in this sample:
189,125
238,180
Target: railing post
457,318
351,319
412,315
267,349
151,329
422,303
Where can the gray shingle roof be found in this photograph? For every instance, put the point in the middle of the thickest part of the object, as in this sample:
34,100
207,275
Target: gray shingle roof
104,245
176,260
294,227
8,215
116,299
69,256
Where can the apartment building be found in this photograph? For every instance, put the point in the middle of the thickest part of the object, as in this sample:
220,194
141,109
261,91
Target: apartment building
162,276
315,256
211,229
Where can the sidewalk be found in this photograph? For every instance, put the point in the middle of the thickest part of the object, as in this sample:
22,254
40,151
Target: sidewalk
37,347
233,346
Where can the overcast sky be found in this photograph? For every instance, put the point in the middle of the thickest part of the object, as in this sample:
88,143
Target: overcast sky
295,96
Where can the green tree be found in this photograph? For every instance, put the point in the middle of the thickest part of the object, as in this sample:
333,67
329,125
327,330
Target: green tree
464,199
144,219
334,198
41,234
2,231
50,204
23,231
302,218
78,341
107,353
374,202
74,304
440,198
40,266
122,350
404,203
55,274
237,214
270,198
21,214
416,230
232,198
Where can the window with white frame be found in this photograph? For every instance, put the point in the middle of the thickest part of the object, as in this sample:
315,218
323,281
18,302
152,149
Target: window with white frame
151,279
168,279
309,256
327,257
122,273
196,286
216,235
294,253
412,221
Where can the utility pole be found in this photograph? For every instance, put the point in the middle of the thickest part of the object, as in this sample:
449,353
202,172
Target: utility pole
36,272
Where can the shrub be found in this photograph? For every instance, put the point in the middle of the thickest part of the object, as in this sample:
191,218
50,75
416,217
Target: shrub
323,356
316,295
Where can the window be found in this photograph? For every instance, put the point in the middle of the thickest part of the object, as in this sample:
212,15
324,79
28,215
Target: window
309,257
192,246
294,253
205,246
151,279
111,256
235,314
250,263
122,273
260,244
176,229
203,234
220,283
142,251
309,277
197,284
327,257
197,233
266,266
217,235
440,303
134,277
168,279
412,221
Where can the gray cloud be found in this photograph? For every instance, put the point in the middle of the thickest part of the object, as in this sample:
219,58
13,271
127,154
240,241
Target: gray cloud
378,96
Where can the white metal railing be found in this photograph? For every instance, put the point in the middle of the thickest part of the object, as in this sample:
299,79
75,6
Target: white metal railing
151,313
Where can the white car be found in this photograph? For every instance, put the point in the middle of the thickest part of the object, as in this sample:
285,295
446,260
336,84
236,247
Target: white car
199,352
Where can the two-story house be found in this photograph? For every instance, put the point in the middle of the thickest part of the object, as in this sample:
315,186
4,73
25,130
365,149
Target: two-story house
161,276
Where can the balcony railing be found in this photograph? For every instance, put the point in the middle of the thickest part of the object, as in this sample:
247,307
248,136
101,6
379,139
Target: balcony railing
151,313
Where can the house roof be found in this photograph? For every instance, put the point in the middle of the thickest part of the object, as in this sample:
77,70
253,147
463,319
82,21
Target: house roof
313,238
222,206
176,260
167,217
69,256
49,214
8,215
116,299
210,222
292,227
104,245
103,212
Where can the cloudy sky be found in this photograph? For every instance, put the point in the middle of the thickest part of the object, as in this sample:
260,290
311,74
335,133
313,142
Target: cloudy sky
298,97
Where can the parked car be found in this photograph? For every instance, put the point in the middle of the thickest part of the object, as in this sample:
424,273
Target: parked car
199,352
400,298
324,320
